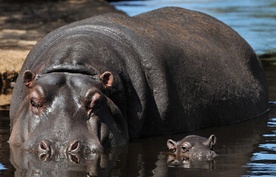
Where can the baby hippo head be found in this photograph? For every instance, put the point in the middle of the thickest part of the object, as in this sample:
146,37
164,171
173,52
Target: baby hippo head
193,147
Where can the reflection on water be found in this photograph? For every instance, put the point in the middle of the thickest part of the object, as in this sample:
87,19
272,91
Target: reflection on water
30,164
263,160
193,164
2,167
243,149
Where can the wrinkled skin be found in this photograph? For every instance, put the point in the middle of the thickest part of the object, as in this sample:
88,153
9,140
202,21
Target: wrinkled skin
192,147
103,80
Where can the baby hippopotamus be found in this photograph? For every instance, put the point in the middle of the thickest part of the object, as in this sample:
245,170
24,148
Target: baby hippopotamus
193,147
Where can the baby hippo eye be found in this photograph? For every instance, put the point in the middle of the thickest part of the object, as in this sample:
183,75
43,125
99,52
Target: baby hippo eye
186,147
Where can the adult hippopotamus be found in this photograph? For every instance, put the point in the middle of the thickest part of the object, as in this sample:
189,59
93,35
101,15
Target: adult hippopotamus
103,80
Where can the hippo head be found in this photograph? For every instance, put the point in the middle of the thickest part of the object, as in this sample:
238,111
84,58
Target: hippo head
65,112
193,147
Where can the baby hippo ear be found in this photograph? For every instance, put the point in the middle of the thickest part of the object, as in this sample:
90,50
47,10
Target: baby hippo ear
28,78
107,79
171,144
211,141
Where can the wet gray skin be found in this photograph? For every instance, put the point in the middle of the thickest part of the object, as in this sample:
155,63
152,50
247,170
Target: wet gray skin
58,130
192,147
96,83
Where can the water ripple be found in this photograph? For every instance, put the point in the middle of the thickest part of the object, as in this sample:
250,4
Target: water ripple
2,167
263,156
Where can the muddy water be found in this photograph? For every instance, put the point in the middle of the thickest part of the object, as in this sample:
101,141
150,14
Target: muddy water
245,149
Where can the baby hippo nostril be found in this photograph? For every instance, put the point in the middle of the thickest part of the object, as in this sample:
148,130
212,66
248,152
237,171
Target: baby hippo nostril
45,146
74,146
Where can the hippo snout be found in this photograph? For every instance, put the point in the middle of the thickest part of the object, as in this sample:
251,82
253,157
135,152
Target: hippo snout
205,154
71,150
46,146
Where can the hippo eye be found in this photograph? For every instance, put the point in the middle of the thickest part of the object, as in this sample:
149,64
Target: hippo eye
37,98
185,149
173,150
92,102
92,99
186,146
35,104
91,113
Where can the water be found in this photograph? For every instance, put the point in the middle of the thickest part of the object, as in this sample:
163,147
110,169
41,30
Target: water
6,169
254,20
245,149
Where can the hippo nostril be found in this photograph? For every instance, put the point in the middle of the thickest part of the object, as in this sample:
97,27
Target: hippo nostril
43,157
74,147
74,158
45,146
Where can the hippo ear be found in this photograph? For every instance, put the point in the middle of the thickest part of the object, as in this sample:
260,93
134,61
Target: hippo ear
28,77
107,79
171,144
211,141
